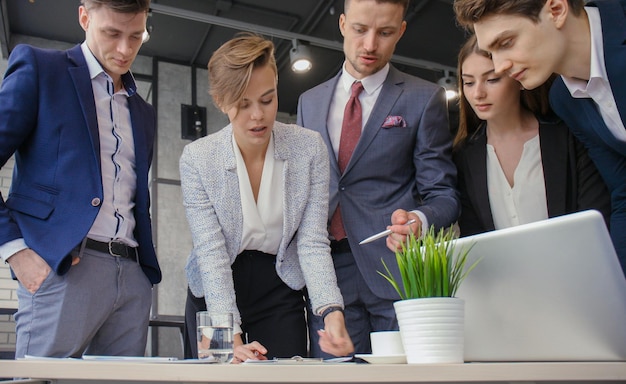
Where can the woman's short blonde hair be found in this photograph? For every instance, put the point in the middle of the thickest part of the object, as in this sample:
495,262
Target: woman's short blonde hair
231,65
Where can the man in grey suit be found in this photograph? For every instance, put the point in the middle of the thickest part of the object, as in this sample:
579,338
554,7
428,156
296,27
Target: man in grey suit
400,169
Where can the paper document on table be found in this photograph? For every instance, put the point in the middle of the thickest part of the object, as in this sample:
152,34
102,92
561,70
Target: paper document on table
130,359
31,357
287,360
136,359
296,360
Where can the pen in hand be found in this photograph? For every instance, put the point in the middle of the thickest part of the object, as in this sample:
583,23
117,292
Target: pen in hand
383,234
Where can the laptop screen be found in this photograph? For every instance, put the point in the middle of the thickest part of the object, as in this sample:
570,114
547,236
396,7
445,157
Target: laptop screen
552,290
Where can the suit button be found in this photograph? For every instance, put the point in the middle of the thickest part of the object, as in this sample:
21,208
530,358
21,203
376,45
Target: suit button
95,201
342,188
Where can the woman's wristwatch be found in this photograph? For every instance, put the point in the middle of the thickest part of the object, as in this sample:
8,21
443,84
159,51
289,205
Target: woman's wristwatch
329,310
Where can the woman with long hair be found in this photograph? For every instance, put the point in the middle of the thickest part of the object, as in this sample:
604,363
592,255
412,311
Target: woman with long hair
517,162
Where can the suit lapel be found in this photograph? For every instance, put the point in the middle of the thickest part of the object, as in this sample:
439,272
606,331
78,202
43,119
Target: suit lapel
320,119
598,125
233,221
476,154
140,139
613,16
82,83
291,185
389,94
554,142
613,19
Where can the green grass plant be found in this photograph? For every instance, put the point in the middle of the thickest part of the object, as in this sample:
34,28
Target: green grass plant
429,265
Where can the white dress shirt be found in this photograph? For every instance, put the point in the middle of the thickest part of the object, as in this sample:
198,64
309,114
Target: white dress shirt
526,201
115,218
262,219
598,87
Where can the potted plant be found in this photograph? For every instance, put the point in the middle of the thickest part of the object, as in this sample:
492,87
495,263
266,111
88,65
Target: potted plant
430,317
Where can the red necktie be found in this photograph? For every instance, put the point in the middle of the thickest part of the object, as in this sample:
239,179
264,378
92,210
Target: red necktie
350,134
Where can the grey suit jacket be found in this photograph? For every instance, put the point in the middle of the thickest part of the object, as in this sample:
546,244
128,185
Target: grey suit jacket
212,201
403,161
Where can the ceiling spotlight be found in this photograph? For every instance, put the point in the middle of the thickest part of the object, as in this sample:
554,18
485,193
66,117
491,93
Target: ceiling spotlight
300,57
448,82
145,37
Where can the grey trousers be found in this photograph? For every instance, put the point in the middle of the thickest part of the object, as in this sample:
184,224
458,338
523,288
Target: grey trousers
101,306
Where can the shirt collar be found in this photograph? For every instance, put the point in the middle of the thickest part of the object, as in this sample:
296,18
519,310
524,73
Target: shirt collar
95,69
597,70
370,83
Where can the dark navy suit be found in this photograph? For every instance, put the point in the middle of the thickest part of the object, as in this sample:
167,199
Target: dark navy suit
48,119
585,121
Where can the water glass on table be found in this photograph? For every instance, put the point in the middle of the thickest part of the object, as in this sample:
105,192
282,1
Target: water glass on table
215,336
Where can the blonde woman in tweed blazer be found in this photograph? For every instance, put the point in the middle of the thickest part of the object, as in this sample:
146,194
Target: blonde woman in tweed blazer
258,222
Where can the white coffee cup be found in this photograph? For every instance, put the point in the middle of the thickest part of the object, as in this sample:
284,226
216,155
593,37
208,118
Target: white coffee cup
386,343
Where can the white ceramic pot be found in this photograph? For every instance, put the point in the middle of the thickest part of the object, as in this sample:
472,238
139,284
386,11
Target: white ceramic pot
432,329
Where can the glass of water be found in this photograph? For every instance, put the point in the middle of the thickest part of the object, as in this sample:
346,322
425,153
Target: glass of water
215,336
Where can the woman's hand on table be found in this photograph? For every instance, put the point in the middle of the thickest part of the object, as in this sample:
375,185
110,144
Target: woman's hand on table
334,338
250,351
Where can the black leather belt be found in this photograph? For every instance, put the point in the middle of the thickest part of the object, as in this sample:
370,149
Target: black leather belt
113,248
340,245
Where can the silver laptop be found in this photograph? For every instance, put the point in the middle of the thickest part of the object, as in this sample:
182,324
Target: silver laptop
546,291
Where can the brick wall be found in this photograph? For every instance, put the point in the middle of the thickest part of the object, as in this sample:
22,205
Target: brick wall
8,297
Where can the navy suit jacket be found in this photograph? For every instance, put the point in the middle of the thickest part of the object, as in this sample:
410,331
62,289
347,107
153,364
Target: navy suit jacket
572,181
48,120
585,121
393,166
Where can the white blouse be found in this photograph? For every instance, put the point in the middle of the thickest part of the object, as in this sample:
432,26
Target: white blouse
526,201
263,219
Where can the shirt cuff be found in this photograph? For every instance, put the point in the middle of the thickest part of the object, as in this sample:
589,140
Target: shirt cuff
11,248
424,221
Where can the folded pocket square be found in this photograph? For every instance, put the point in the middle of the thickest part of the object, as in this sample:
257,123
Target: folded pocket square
394,121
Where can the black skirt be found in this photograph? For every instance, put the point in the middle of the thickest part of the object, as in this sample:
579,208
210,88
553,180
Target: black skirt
271,313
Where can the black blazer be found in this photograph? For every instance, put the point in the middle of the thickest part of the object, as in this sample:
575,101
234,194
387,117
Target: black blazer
572,180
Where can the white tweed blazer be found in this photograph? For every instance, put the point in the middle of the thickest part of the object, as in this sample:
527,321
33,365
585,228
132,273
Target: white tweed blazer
210,190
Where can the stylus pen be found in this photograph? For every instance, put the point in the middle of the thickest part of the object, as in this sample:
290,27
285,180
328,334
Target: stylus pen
383,234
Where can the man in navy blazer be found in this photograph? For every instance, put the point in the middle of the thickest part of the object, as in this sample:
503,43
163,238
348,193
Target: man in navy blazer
76,226
586,45
402,162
